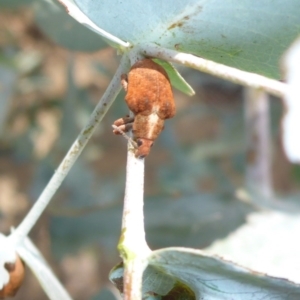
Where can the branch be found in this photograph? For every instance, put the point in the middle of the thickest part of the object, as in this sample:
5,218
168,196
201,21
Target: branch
99,112
253,80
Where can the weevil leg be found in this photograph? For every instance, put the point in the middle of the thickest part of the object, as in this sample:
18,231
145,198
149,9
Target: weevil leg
123,121
124,81
124,124
122,128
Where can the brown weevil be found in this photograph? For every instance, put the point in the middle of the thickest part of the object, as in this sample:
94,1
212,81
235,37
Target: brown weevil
149,96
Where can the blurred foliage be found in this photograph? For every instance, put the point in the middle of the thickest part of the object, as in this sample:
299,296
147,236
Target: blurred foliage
192,173
105,294
15,3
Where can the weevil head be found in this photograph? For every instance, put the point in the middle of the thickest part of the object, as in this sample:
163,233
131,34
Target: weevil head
144,146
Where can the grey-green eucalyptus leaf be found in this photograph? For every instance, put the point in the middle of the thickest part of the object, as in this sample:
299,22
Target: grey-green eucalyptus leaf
62,29
241,34
212,278
175,77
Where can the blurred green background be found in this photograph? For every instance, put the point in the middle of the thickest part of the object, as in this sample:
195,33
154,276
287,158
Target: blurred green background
52,73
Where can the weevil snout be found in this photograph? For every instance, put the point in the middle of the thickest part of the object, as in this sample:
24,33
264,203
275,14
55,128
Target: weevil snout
144,146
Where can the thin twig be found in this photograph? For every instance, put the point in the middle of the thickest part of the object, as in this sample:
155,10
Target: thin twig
99,112
36,262
248,79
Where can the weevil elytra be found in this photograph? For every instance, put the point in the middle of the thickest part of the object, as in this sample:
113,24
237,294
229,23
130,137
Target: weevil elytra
149,96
